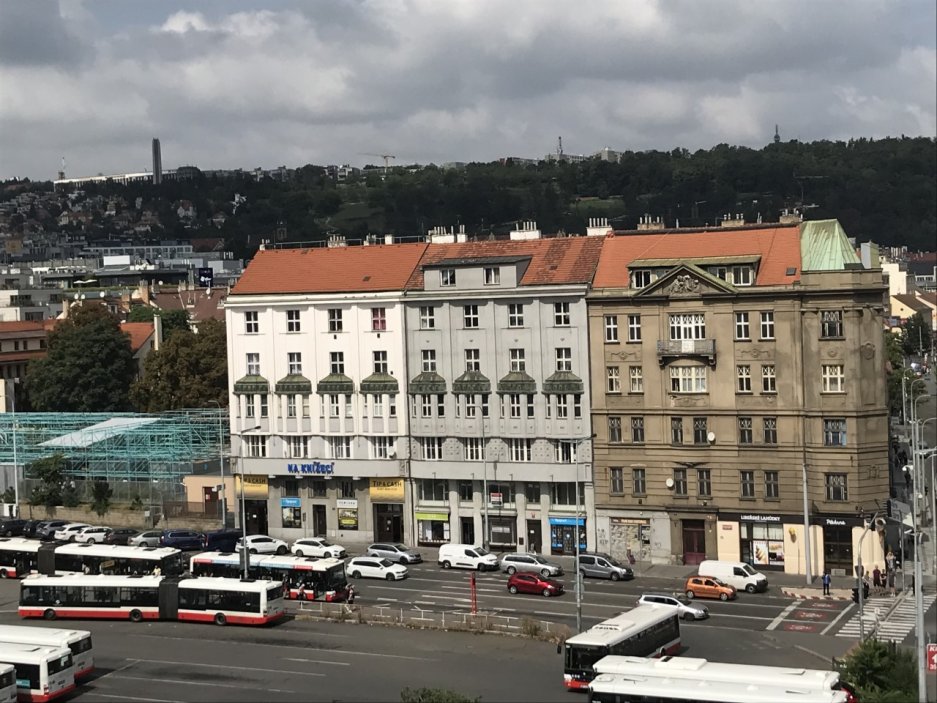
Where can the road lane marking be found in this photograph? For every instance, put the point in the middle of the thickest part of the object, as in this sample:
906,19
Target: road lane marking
130,662
133,698
783,615
213,684
317,661
837,619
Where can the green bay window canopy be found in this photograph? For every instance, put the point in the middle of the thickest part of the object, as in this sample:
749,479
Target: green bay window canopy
517,382
428,383
294,383
379,384
471,383
335,383
563,383
252,385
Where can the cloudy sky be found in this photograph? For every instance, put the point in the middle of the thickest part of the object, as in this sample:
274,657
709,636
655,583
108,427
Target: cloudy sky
246,83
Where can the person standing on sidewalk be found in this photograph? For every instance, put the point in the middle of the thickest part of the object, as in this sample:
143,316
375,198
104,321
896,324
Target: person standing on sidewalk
826,583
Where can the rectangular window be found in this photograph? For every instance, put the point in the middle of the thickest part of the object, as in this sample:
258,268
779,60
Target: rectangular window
614,429
492,276
532,493
616,481
380,447
772,489
679,482
466,491
293,321
613,380
256,446
252,322
768,379
426,405
700,431
377,405
611,328
294,362
638,482
518,362
335,320
676,430
249,406
253,364
530,405
634,328
688,326
337,362
834,432
335,405
831,324
514,400
515,315
427,318
747,483
640,278
347,489
428,357
441,405
564,452
704,484
743,376
297,448
742,330
834,378
637,430
379,359
564,359
474,449
741,275
470,316
561,314
745,430
432,448
264,406
565,493
562,407
447,277
473,360
688,379
767,325
431,489
836,489
771,430
520,450
291,406
378,319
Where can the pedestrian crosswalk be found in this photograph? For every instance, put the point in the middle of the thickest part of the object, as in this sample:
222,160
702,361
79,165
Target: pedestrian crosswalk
895,627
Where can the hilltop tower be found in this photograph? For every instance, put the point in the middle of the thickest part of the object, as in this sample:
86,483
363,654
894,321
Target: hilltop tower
157,164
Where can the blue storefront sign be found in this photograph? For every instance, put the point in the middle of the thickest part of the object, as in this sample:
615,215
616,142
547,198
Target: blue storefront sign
563,535
315,467
290,503
567,521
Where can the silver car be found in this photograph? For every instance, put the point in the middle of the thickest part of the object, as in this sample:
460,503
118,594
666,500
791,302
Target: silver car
396,552
150,538
687,609
530,563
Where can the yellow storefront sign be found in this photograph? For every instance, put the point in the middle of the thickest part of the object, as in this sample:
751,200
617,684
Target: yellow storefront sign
384,490
255,487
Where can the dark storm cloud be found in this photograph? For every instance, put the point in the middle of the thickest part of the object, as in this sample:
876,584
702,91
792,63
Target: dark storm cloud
33,32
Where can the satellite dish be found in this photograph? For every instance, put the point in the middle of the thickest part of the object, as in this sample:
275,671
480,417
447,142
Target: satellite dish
711,436
669,483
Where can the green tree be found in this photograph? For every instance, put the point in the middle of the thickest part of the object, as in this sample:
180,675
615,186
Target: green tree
70,497
89,366
141,313
101,494
174,321
9,495
881,672
50,472
915,336
434,695
188,371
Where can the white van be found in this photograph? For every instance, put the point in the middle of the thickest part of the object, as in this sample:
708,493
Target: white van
466,556
735,573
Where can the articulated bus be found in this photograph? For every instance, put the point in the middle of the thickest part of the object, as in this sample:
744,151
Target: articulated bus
78,641
317,579
42,673
19,557
644,631
623,688
7,683
137,598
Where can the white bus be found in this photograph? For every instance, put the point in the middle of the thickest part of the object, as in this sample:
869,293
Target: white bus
7,683
316,579
641,679
138,598
78,641
20,557
42,673
644,631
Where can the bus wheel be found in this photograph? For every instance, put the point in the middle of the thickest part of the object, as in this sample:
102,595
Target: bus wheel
220,619
136,615
49,614
3,573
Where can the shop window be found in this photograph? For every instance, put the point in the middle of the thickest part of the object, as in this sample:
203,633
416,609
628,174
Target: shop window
292,517
762,544
503,531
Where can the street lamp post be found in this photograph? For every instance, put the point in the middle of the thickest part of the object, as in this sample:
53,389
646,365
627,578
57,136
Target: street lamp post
578,443
245,555
224,504
917,495
485,496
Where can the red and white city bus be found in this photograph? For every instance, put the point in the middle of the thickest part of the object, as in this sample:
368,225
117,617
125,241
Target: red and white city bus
19,557
644,631
137,598
42,673
78,641
317,579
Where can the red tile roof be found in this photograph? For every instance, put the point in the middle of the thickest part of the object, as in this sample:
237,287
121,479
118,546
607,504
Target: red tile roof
777,245
139,332
552,261
330,269
23,326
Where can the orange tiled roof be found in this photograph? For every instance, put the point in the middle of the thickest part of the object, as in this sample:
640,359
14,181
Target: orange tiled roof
777,245
23,326
139,332
330,269
552,261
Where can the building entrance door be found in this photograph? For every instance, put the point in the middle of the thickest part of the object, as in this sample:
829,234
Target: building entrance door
318,521
534,536
256,517
467,529
388,522
694,542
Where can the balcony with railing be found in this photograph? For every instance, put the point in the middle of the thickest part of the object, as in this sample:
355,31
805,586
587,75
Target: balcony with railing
669,349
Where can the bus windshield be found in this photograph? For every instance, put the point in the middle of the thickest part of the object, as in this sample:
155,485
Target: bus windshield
583,658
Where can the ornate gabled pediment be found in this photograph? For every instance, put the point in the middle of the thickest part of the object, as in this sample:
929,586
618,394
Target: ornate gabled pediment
687,281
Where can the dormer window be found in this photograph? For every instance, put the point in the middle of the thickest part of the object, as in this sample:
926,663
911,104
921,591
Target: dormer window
742,275
720,272
492,276
447,277
640,278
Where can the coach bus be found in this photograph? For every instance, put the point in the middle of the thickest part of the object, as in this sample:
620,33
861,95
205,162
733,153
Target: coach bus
78,641
644,631
19,557
315,579
42,673
137,598
7,683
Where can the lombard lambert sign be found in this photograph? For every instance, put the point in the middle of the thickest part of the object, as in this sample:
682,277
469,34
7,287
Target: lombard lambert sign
761,518
316,467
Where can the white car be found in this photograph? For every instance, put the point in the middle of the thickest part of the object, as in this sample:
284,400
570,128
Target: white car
317,547
92,535
66,533
375,568
263,544
686,609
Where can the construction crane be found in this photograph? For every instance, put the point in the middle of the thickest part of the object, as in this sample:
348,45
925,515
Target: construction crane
386,157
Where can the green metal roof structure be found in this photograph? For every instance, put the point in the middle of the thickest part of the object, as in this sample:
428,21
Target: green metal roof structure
825,247
118,446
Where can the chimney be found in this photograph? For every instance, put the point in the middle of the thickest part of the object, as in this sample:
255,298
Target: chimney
337,240
648,223
157,331
440,235
790,218
388,239
461,236
525,231
598,227
733,221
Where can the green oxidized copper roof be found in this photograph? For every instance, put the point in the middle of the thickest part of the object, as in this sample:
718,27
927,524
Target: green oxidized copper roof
824,246
427,383
472,382
517,382
563,382
294,383
335,383
250,385
380,383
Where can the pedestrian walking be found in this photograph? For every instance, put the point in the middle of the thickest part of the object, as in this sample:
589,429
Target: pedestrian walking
891,582
351,595
877,578
827,579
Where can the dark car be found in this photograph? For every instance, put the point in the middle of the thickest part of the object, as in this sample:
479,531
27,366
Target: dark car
119,535
182,539
222,540
46,530
29,529
534,583
11,527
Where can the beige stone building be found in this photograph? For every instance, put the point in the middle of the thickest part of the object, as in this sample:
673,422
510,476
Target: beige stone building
727,365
